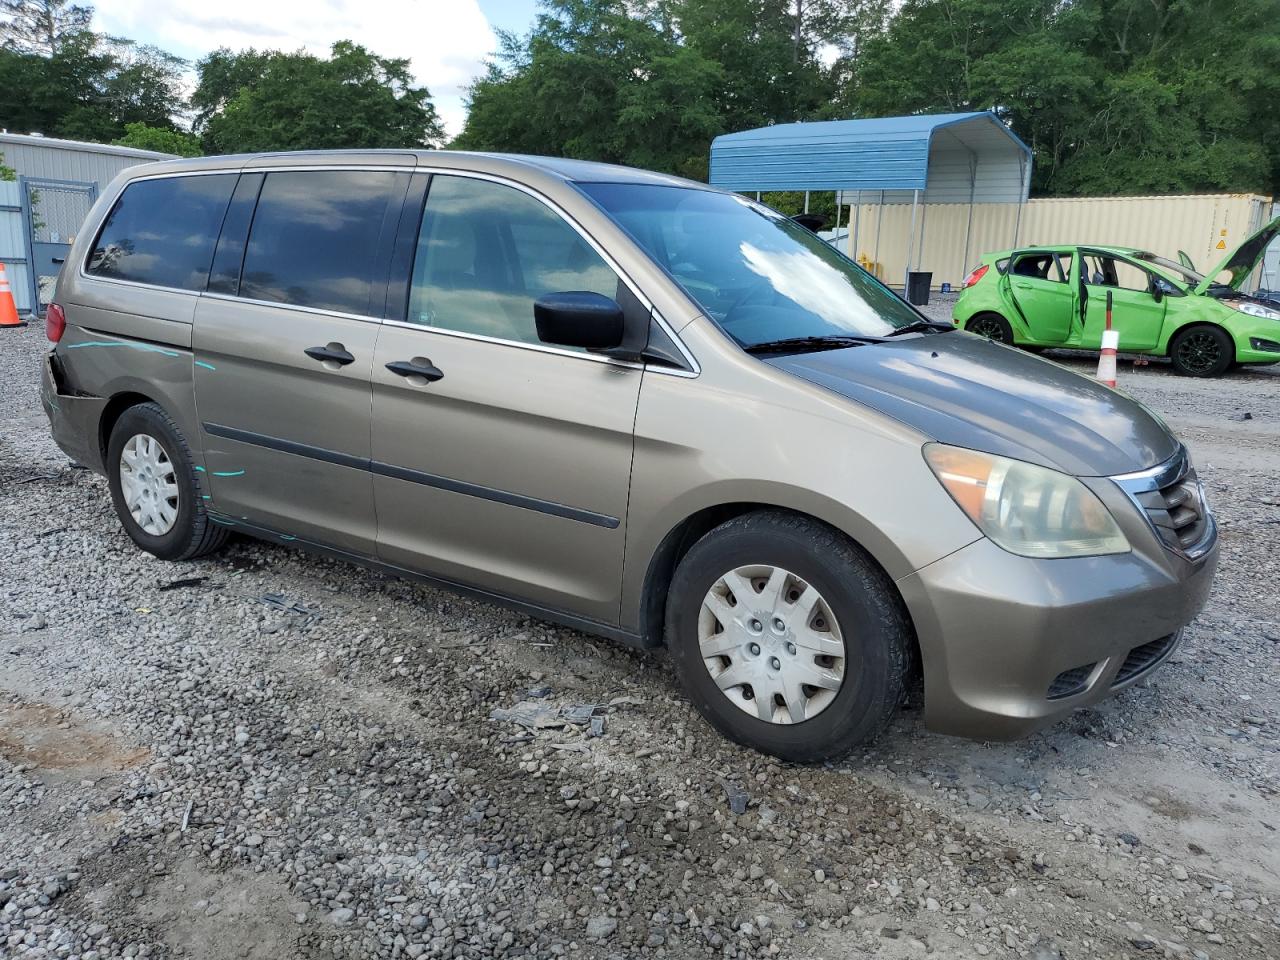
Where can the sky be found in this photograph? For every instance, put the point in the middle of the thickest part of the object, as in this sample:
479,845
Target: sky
446,41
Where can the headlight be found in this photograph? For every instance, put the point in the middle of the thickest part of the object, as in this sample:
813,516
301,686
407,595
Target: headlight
1258,310
1027,510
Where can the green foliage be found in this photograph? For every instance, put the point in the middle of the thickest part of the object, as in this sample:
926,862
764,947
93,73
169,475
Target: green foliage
593,81
1113,96
7,173
89,88
162,140
294,101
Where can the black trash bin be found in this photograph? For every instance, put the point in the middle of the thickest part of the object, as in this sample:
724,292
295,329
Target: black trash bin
918,287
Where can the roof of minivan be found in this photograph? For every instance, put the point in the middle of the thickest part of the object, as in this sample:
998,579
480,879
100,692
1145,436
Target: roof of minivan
579,171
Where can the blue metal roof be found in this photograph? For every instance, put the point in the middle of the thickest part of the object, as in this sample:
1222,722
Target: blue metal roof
889,153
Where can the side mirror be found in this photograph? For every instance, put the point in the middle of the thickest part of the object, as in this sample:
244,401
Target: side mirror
579,318
1157,290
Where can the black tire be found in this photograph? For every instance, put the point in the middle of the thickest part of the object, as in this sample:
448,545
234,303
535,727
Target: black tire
874,624
992,326
1202,351
193,533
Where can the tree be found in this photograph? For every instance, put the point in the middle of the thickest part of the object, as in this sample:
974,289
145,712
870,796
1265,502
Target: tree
598,80
1113,96
294,101
38,26
223,74
162,140
89,88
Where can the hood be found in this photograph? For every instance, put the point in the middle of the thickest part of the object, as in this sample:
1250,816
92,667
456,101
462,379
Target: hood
1241,261
967,391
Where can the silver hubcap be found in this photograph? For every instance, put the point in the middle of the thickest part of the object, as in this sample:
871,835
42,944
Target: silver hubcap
771,643
149,484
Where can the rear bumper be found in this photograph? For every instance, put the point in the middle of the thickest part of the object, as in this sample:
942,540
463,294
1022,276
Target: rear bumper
1011,644
73,418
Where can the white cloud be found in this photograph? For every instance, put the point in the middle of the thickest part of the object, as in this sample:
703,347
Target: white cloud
445,40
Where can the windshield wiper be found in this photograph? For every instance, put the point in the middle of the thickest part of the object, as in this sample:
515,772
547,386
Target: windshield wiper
807,344
920,326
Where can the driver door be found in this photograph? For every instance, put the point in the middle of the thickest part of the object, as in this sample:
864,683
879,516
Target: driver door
1136,313
506,467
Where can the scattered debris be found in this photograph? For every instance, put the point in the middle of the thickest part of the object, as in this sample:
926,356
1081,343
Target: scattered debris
182,583
737,797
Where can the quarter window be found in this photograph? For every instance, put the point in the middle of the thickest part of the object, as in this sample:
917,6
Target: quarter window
162,231
318,236
486,251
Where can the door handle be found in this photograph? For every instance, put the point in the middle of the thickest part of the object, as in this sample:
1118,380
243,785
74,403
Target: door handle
331,352
58,259
417,367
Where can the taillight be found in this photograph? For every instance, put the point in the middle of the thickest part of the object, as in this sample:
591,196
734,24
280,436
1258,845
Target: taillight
55,322
977,275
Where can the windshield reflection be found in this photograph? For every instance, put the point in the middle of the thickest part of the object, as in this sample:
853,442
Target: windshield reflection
761,277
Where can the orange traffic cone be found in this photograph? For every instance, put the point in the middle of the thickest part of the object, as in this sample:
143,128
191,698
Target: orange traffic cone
8,309
1107,358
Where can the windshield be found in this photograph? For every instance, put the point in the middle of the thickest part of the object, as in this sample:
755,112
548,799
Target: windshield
1177,271
761,277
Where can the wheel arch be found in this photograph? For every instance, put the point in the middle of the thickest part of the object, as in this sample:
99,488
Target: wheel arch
680,538
1011,322
1196,324
111,413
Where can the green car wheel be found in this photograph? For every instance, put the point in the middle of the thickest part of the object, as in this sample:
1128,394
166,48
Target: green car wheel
1202,352
992,326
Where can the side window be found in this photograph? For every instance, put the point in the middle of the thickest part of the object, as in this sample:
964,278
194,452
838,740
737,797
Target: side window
1130,277
1064,266
486,251
1103,271
162,231
1038,266
318,238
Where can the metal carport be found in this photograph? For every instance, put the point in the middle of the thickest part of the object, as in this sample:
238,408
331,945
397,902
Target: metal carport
936,158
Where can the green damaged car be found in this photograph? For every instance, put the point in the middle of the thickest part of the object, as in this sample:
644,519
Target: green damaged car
1056,296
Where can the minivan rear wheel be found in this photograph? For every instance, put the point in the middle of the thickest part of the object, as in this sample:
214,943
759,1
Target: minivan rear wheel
154,487
787,637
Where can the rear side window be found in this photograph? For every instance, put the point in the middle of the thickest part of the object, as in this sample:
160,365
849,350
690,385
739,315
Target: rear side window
163,231
318,237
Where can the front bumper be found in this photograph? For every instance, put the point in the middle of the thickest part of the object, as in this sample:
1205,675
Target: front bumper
1011,644
73,418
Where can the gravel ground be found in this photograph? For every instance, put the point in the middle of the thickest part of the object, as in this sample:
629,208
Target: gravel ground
263,754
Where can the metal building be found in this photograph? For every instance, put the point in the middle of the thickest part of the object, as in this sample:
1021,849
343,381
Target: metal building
41,212
968,158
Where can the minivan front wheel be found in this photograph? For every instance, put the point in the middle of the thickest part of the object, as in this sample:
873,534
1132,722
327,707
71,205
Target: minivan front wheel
154,488
787,637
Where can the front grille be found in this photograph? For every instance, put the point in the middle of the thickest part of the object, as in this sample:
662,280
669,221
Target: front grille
1070,682
1178,512
1143,658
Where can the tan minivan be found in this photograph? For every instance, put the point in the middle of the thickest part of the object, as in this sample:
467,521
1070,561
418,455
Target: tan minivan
631,404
